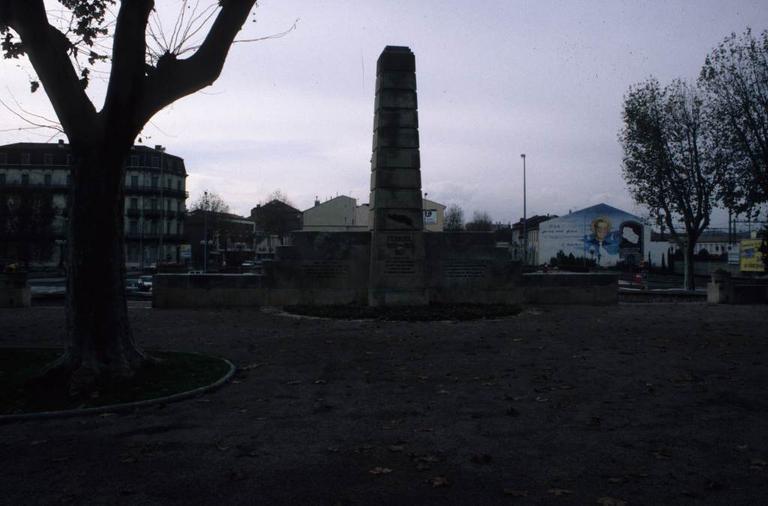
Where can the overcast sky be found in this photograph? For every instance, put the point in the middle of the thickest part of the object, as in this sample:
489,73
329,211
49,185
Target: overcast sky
495,79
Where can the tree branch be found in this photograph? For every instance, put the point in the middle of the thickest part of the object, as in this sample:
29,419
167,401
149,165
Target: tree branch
126,80
173,79
47,48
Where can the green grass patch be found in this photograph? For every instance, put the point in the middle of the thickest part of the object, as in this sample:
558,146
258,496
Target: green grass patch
175,373
432,312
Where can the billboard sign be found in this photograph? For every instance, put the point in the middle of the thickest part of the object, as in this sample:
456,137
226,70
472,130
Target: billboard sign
430,216
600,233
751,256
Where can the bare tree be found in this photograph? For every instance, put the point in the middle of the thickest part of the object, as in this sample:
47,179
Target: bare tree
210,202
669,164
141,82
481,222
278,195
454,218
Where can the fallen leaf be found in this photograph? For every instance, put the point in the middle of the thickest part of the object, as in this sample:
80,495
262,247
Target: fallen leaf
515,493
541,399
440,481
380,470
616,479
396,448
611,501
320,382
560,491
252,366
423,467
294,382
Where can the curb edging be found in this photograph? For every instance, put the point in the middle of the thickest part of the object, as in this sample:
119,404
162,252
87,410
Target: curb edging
126,406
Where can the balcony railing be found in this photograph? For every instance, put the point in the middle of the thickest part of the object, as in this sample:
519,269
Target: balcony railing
155,190
54,187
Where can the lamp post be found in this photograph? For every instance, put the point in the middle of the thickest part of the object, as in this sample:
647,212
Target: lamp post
525,218
205,231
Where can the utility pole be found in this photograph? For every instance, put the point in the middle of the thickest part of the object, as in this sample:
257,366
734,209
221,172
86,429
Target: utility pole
525,218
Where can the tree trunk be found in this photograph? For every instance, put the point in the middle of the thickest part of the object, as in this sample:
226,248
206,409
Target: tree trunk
689,279
101,344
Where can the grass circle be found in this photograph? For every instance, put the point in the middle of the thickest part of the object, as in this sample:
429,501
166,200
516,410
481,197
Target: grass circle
176,374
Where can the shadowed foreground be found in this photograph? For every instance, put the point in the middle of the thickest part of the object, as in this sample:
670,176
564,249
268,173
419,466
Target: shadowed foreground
651,403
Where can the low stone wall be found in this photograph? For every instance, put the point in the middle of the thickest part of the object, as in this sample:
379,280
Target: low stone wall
14,290
571,288
468,268
240,290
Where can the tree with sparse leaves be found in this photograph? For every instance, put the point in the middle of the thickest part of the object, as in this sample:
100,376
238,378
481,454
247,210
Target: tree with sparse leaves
454,218
670,165
735,78
142,81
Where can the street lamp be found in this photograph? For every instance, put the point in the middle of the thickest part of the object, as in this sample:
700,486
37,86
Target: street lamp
205,231
525,218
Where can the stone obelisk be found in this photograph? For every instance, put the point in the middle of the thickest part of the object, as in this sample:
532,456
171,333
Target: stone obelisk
397,275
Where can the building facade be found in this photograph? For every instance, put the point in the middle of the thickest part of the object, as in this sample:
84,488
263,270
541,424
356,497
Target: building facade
231,239
34,189
342,214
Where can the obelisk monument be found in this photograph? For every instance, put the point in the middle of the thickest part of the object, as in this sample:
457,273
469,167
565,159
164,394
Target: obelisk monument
397,275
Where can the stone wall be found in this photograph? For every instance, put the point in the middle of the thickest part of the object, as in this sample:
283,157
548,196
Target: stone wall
571,288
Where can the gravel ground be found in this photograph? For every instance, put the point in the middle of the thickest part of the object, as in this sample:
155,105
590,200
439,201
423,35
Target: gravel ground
640,403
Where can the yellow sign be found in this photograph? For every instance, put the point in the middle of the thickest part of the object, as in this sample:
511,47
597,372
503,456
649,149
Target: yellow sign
750,256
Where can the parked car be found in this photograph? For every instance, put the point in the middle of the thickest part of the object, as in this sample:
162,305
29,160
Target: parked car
131,285
145,283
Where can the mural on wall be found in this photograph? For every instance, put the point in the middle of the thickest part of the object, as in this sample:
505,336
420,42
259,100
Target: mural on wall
601,233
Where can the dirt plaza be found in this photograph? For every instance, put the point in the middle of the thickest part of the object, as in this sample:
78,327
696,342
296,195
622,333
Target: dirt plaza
658,403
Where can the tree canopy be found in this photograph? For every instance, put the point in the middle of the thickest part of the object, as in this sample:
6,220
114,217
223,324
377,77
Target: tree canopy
735,78
669,163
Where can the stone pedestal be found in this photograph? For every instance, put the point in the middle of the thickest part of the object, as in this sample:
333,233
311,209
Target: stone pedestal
397,275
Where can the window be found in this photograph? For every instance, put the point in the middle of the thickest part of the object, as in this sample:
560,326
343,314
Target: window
25,179
133,227
133,161
26,158
155,181
153,204
178,184
68,179
2,177
134,181
69,160
47,179
47,159
167,227
3,158
168,205
134,203
155,161
169,183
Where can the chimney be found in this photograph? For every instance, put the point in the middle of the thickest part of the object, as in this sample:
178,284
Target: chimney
317,201
61,143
